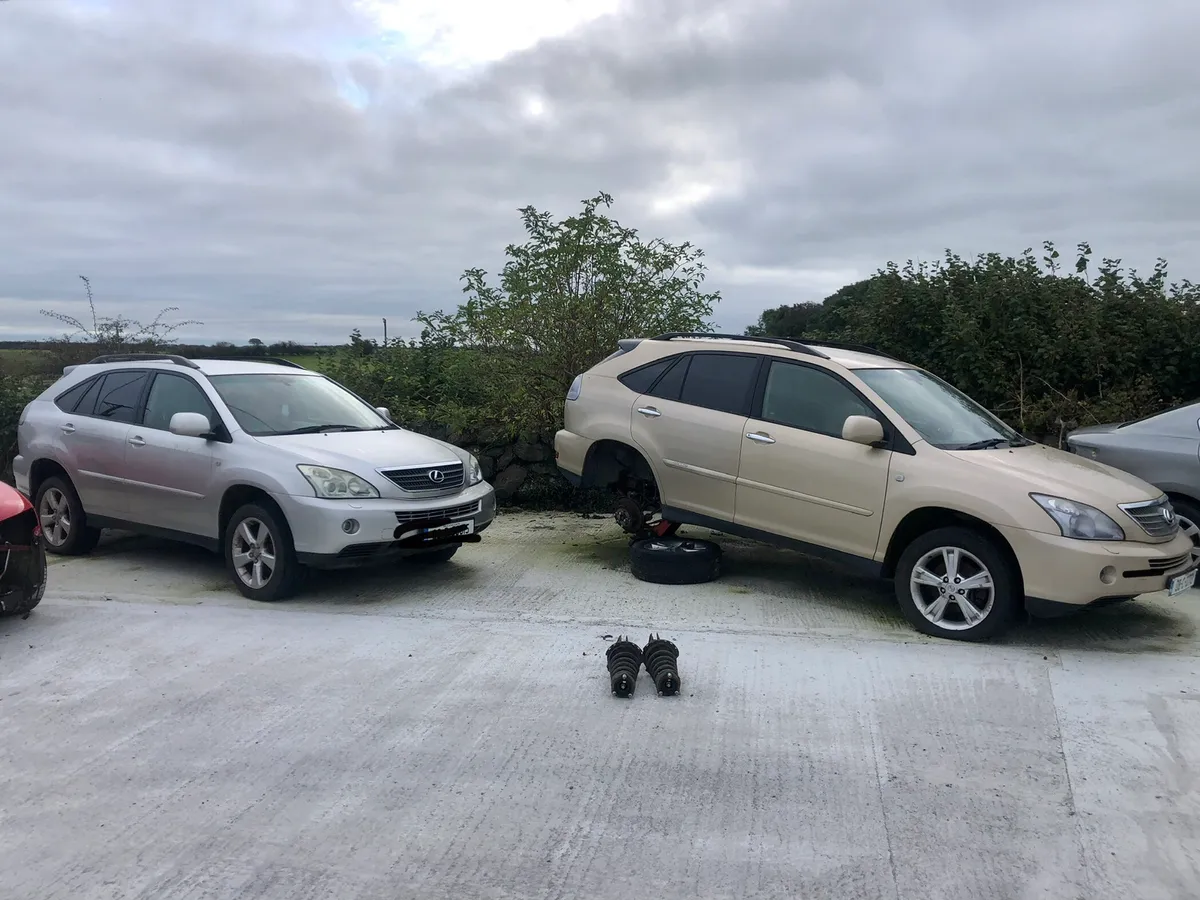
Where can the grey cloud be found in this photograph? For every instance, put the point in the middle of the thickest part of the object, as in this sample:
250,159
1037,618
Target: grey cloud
205,155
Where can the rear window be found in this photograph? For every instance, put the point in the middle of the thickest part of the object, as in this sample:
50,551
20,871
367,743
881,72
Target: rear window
641,380
69,400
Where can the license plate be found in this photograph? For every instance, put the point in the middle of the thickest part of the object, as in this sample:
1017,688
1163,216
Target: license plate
467,527
1181,583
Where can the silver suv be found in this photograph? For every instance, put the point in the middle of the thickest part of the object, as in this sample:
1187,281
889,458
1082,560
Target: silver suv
273,465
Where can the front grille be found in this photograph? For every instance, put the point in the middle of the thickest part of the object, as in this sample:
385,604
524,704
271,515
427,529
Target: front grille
438,477
1156,517
449,512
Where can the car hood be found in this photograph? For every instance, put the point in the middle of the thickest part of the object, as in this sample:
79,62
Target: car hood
1041,469
1094,429
364,451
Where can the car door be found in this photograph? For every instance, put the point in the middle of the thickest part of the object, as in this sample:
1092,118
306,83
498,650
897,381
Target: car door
691,422
96,433
171,475
798,478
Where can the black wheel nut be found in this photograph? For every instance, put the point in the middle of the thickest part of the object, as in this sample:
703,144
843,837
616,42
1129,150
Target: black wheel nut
660,656
624,661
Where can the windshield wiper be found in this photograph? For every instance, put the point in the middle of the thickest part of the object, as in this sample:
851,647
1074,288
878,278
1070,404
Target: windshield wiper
321,429
991,443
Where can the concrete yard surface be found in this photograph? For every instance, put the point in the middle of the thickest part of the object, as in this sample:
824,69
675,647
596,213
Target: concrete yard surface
448,733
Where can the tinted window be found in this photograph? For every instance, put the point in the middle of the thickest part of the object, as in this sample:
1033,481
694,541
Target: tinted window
119,395
804,397
172,394
721,382
670,385
641,380
66,402
87,404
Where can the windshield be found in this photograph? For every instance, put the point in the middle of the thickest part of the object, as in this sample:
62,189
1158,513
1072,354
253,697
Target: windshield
278,403
944,416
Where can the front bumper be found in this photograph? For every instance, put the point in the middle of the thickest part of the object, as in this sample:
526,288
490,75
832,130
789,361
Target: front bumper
22,575
321,541
1062,574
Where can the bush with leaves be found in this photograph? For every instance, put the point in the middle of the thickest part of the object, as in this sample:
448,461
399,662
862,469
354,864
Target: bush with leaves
1044,349
565,297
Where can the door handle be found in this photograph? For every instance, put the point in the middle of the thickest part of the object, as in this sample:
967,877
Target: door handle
759,438
67,429
649,412
137,442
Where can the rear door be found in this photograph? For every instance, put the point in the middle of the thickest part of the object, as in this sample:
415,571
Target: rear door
691,421
170,475
97,432
798,478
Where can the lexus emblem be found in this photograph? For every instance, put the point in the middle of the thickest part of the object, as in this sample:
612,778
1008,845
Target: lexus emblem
1168,515
437,476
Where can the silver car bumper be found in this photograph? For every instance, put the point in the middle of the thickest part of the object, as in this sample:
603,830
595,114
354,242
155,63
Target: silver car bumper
338,533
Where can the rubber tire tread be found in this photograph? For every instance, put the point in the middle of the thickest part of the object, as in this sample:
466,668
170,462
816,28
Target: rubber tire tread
665,567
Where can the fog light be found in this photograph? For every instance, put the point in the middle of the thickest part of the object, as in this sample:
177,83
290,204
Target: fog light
1108,574
350,526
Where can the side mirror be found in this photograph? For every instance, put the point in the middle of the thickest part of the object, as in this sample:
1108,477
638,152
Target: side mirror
862,430
385,412
190,424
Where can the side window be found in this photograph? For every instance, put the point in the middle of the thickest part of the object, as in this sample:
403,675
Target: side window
170,394
720,381
87,403
641,380
670,386
119,396
70,399
807,398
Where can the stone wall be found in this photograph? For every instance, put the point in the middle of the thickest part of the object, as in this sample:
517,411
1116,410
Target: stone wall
522,471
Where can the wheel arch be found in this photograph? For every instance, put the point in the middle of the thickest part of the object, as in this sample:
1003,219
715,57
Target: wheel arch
607,459
43,468
929,518
238,495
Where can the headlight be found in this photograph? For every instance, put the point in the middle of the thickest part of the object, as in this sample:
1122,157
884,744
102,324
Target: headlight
576,388
1078,520
337,484
474,473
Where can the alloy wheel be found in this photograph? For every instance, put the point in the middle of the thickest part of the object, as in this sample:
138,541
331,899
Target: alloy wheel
952,588
253,553
54,514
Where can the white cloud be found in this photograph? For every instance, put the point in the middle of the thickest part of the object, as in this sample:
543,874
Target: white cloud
464,34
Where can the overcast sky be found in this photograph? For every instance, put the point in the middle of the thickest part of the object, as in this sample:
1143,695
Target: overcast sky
298,168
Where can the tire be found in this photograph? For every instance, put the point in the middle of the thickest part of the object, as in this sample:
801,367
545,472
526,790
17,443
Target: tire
976,555
261,528
64,523
1188,515
435,557
32,599
674,560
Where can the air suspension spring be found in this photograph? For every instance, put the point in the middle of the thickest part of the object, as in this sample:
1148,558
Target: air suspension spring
624,661
660,656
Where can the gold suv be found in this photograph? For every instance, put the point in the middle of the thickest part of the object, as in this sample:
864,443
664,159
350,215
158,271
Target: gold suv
845,453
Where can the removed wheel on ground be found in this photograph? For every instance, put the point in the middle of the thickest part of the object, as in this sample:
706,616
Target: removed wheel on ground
433,557
675,560
259,554
1189,523
956,583
63,521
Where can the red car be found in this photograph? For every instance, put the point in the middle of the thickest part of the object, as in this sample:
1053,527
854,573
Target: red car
22,554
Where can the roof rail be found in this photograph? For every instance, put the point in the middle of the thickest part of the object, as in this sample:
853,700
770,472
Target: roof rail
274,360
144,357
779,342
858,348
